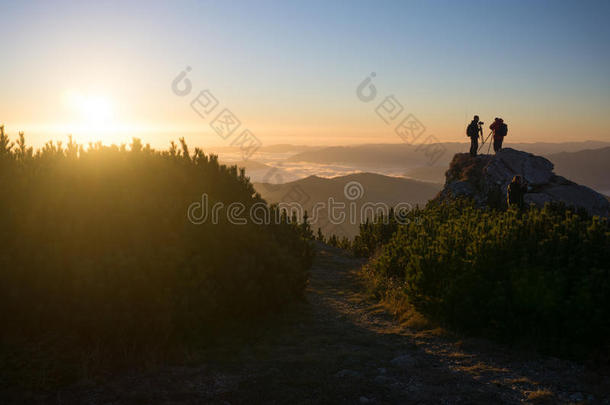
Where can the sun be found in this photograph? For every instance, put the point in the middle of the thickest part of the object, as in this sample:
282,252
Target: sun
90,115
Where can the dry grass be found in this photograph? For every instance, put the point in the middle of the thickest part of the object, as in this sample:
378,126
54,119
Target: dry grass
520,380
541,396
407,316
481,368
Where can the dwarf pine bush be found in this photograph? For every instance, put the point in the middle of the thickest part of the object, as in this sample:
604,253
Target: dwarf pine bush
95,243
542,275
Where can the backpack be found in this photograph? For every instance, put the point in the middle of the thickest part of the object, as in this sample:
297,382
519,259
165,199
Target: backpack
502,130
472,130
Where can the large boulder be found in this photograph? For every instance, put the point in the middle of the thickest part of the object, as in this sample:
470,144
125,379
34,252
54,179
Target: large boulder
485,178
508,162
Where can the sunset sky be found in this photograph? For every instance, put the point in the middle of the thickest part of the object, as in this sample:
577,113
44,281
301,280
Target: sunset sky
289,70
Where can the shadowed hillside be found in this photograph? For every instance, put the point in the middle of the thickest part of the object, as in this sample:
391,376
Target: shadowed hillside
376,188
590,167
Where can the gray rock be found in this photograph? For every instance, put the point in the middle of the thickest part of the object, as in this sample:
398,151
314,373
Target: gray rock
364,400
561,180
579,196
509,162
535,169
485,179
403,361
461,188
383,380
348,373
577,397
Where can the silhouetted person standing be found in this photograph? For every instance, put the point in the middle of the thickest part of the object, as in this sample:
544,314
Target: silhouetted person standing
473,130
500,129
516,191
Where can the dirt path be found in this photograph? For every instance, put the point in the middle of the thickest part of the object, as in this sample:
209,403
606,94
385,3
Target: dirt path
341,348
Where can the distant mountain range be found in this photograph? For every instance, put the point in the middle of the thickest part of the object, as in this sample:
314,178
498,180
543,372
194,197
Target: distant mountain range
589,167
275,148
434,174
585,158
362,187
249,165
382,155
411,156
421,181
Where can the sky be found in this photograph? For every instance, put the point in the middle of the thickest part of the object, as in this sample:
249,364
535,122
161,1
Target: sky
289,71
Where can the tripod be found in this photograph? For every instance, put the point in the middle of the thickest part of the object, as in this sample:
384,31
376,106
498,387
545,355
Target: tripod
483,144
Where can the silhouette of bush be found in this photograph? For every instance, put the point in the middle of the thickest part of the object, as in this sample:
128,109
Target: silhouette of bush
542,275
95,244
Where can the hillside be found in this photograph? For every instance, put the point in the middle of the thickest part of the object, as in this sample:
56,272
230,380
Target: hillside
376,188
590,167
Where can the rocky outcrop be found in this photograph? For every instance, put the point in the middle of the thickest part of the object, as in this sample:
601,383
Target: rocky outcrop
485,178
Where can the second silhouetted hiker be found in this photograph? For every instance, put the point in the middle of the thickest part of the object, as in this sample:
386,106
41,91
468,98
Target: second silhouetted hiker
500,129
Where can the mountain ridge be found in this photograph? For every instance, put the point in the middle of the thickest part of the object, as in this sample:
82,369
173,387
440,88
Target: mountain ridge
368,188
399,152
590,167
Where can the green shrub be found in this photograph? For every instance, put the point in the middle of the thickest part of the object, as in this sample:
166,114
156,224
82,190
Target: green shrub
542,275
95,244
373,234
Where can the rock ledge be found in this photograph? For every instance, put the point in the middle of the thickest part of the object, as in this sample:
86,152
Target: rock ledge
485,178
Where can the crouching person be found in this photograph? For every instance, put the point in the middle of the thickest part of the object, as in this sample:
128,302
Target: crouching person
516,192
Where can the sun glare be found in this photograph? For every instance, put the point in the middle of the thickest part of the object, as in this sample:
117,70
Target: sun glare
90,115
